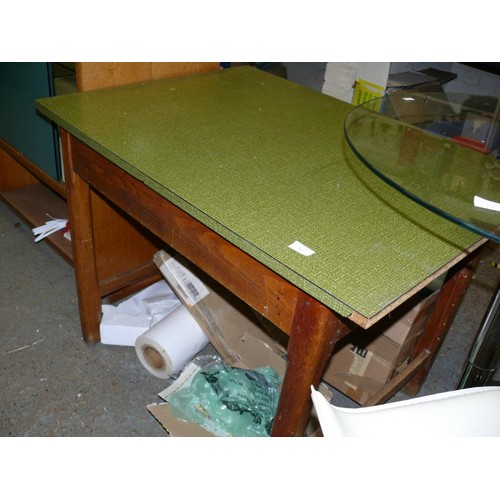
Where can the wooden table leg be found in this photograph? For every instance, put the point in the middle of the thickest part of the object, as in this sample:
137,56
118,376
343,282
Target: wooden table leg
314,332
442,316
82,240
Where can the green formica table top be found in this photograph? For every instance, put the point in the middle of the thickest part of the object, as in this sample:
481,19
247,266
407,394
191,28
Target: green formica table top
264,163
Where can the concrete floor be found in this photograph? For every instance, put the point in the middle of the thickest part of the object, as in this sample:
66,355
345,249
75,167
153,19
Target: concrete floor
51,382
54,384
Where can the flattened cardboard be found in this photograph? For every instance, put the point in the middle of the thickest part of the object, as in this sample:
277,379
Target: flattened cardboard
174,426
226,320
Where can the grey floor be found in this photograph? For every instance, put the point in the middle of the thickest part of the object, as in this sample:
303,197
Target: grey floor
51,382
54,384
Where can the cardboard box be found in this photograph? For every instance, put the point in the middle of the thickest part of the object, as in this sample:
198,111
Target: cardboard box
362,364
365,360
357,372
409,319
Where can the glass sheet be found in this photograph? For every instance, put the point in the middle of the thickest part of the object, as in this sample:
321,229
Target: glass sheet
441,150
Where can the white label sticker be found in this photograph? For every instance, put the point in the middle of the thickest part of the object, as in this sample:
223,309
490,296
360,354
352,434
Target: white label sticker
484,203
186,283
301,248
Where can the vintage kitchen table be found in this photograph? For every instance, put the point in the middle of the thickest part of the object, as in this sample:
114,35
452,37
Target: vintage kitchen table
249,176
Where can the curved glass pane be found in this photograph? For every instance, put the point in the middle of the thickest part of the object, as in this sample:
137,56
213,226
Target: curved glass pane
441,150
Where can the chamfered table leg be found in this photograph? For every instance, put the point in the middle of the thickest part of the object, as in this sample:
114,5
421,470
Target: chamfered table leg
83,249
447,303
315,330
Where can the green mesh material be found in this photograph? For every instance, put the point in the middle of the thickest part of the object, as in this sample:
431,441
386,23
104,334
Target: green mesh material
264,163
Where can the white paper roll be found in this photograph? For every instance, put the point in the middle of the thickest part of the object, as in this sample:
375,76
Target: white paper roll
168,345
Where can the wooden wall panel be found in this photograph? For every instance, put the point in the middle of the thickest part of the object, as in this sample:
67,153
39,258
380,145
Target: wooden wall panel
95,75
